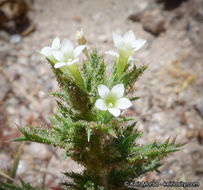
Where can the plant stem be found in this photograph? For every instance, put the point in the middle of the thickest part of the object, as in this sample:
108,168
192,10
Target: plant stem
73,70
123,59
95,160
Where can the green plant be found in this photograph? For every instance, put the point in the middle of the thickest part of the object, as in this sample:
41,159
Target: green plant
24,186
89,125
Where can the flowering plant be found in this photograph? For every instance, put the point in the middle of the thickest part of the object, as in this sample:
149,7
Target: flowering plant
89,125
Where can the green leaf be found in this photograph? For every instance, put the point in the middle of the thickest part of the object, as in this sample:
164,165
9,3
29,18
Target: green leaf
89,130
124,119
16,161
134,98
112,132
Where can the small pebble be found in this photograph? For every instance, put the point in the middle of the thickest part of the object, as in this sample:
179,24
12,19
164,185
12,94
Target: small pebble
15,38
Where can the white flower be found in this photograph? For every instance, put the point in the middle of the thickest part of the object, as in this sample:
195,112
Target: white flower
113,53
47,51
113,100
67,55
128,42
126,46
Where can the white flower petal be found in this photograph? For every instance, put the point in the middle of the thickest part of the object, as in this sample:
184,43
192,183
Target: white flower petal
72,62
129,37
113,53
114,111
132,59
56,43
117,39
100,104
67,48
138,44
123,103
67,43
59,64
46,51
58,55
118,90
77,51
103,91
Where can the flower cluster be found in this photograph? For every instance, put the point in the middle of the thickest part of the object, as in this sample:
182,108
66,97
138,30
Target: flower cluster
65,57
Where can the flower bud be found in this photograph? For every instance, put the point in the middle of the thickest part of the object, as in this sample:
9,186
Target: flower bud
80,38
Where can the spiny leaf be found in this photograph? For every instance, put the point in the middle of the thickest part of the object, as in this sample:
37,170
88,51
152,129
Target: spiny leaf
129,78
111,132
134,98
124,119
89,130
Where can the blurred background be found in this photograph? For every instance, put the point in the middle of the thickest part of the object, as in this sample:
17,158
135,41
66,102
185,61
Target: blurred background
171,89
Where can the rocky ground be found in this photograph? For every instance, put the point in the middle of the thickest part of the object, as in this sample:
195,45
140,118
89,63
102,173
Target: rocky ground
171,101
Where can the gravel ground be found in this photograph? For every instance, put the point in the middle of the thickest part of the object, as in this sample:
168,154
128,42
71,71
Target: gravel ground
171,101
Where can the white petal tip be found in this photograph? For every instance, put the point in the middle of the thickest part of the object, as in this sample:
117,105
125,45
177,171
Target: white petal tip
113,53
46,51
100,104
123,103
58,65
114,111
103,91
118,90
